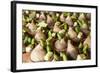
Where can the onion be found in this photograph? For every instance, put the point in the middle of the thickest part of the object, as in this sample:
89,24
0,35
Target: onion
69,21
32,27
60,45
39,35
42,16
62,18
38,53
50,21
82,16
56,27
72,34
71,50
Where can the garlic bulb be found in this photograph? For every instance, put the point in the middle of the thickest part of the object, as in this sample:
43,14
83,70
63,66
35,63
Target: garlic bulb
71,50
56,27
72,34
38,54
60,45
50,21
69,21
82,16
42,16
32,27
62,18
39,35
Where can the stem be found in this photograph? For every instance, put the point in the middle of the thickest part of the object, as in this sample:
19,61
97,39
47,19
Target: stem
49,34
48,48
48,56
80,45
56,58
65,27
80,35
42,43
79,22
85,48
63,55
77,29
59,36
33,41
29,40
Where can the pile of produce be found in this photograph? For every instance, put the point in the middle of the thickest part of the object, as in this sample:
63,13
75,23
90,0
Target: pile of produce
55,36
